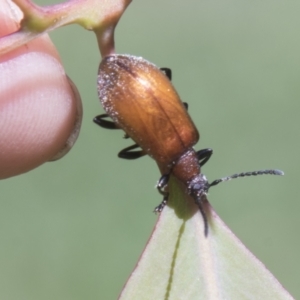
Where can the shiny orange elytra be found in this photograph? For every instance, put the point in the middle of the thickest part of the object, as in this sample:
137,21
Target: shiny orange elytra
141,100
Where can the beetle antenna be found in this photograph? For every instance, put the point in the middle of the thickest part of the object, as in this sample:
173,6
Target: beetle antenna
253,173
198,202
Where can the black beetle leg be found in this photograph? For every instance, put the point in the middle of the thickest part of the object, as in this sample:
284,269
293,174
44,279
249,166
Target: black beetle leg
167,72
100,120
125,153
128,154
204,155
161,185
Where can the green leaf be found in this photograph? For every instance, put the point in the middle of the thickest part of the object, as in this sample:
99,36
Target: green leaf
179,262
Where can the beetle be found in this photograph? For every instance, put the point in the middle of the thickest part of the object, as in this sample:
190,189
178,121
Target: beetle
141,100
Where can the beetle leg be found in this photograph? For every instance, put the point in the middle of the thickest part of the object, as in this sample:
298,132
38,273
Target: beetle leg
167,72
161,185
125,153
128,154
204,155
186,105
100,120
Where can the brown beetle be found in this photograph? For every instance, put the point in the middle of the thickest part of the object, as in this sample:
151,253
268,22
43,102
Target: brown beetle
142,101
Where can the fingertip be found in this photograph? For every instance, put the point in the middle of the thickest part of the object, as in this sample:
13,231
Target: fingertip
38,112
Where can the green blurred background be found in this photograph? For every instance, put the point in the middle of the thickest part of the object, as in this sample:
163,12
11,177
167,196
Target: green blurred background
75,228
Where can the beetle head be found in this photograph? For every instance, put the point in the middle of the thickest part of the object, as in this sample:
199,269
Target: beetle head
198,187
